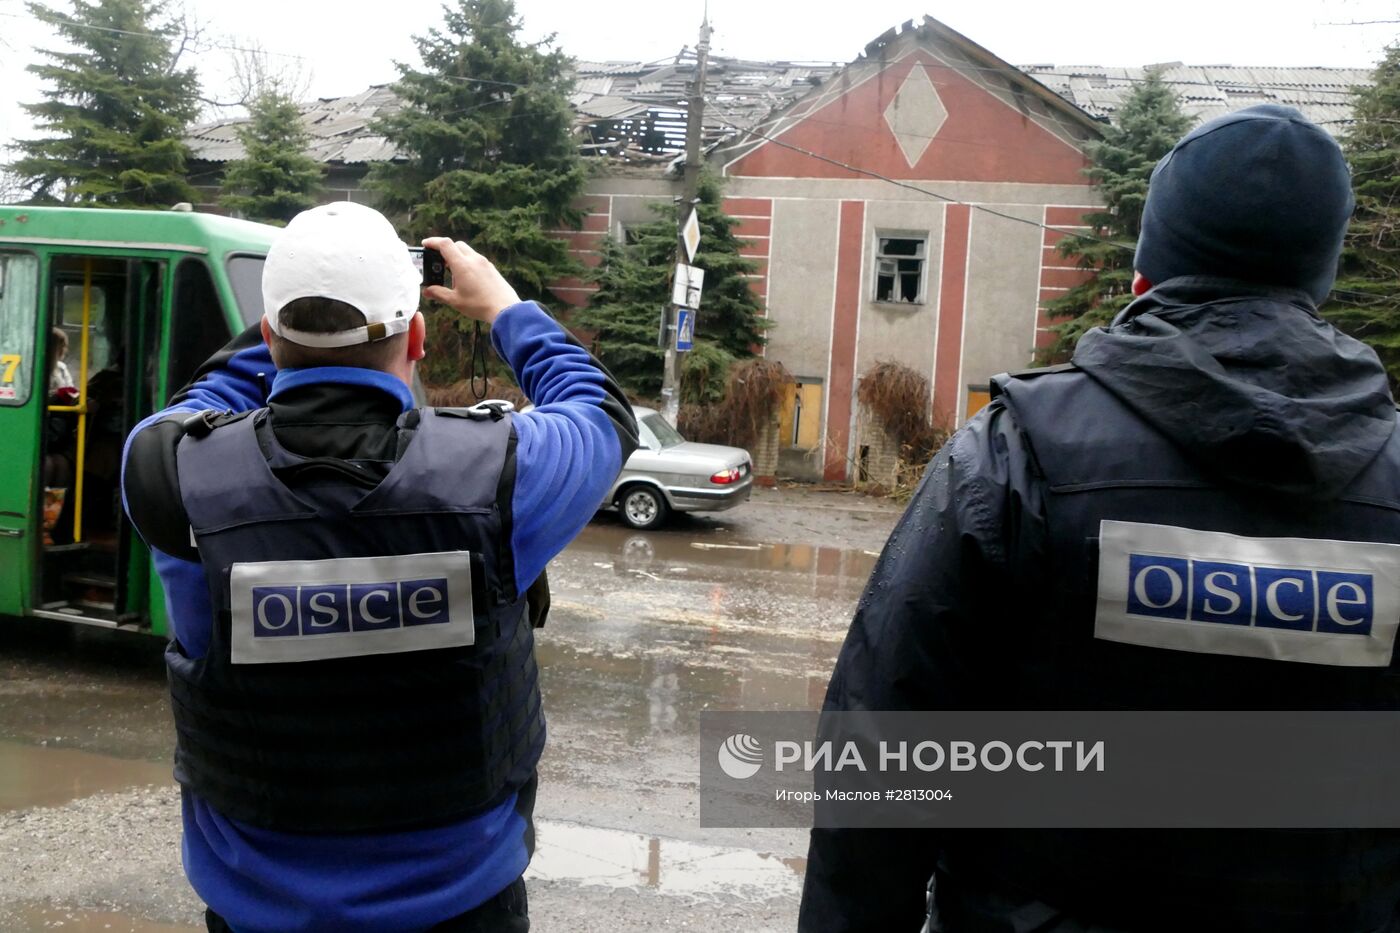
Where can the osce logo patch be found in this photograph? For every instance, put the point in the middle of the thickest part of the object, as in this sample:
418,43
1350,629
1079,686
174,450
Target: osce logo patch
313,610
318,609
1289,599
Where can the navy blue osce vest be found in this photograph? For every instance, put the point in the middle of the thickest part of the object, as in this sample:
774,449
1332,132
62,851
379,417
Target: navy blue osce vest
1140,541
371,667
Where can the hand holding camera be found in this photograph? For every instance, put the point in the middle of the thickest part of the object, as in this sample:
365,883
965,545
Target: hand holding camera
478,290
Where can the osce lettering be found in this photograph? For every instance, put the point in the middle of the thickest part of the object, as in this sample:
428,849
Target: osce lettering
1241,594
313,610
1308,600
280,611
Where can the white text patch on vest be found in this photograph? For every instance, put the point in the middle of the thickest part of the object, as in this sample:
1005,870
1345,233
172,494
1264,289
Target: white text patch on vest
1285,599
313,610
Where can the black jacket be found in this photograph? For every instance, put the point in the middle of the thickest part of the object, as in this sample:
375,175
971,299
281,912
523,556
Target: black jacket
1248,383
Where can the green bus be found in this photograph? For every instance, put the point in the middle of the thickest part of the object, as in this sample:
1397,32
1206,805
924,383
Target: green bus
143,298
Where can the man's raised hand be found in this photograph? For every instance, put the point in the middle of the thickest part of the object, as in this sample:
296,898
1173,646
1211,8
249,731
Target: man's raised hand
478,290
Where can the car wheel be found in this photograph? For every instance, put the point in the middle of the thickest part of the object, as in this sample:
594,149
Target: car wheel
642,507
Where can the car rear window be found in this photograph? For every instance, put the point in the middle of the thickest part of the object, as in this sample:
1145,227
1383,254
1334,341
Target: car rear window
666,435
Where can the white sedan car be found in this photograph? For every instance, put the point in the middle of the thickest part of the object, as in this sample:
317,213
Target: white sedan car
669,473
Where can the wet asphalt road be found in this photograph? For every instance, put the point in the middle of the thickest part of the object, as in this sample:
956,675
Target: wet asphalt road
744,610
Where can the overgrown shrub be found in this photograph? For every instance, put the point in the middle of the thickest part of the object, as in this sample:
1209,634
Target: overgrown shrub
898,397
753,394
705,373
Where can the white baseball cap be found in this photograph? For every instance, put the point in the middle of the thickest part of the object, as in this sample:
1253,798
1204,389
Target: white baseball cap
347,252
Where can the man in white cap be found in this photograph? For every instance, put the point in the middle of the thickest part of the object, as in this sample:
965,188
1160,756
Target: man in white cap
352,668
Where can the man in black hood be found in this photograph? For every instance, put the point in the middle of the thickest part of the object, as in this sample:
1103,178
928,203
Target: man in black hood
1218,408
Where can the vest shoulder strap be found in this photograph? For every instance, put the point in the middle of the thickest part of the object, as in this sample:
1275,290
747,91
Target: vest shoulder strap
202,423
452,463
223,474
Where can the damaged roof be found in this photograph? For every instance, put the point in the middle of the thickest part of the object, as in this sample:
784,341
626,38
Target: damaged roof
338,126
1208,91
635,110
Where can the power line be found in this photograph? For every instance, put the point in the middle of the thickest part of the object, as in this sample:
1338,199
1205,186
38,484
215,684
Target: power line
157,35
927,192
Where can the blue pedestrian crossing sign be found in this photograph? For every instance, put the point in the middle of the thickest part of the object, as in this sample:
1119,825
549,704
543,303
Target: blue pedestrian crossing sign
685,329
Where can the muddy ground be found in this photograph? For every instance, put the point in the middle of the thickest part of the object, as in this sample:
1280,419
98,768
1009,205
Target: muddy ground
742,610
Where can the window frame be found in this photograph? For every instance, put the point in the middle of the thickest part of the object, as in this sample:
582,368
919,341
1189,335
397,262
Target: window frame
922,256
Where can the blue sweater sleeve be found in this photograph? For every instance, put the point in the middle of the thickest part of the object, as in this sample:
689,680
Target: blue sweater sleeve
570,448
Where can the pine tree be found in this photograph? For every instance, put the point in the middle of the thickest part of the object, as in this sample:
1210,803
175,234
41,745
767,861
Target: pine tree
634,286
115,110
1145,129
1366,303
275,180
487,132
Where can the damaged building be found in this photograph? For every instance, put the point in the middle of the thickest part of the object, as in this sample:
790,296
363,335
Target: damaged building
904,206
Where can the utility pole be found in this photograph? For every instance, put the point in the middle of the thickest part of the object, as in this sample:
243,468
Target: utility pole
690,191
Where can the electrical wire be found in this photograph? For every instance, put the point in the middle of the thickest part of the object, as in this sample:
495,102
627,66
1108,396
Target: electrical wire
156,35
947,199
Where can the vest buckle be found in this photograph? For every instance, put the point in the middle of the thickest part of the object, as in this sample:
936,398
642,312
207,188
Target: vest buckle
494,409
202,424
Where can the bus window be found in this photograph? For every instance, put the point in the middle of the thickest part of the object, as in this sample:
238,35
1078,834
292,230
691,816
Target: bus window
19,305
198,327
245,275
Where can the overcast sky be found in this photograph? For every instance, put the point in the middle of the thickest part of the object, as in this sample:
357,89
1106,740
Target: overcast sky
344,47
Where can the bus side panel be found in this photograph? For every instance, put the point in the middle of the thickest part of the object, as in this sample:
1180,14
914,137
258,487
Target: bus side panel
23,394
21,532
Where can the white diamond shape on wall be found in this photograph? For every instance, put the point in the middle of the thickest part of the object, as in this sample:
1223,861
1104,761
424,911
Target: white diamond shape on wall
916,114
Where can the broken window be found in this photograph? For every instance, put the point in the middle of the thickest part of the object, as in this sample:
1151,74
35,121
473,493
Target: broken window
899,269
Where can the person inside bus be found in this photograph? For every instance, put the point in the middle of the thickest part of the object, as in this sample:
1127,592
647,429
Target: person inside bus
58,435
106,430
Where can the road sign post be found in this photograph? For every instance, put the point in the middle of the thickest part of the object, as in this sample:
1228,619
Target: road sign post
690,234
689,281
685,329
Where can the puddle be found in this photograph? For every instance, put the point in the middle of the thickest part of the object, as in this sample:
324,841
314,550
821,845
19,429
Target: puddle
36,918
625,550
38,776
614,859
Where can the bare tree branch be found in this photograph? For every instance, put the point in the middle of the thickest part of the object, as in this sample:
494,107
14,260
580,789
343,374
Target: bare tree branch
254,73
191,37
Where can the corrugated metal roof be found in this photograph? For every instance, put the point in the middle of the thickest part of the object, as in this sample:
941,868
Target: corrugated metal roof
635,110
610,108
628,108
1208,91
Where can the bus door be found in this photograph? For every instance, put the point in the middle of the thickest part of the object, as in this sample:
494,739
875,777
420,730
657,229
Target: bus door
21,413
102,378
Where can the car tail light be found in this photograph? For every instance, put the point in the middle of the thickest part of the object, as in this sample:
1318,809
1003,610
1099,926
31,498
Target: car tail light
725,477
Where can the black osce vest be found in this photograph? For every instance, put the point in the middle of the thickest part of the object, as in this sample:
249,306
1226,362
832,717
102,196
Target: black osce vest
1101,463
371,667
